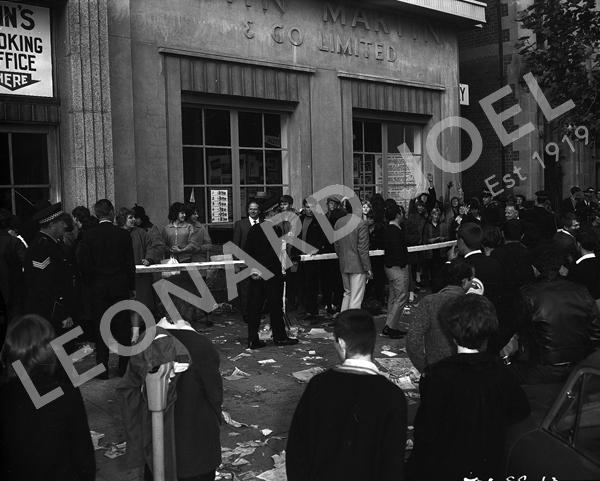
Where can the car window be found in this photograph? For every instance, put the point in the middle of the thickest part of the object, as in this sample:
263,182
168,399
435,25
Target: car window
587,438
564,423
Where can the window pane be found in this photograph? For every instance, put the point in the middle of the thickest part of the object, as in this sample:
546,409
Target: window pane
191,128
357,134
369,166
396,138
4,160
273,165
372,137
588,432
276,192
6,200
250,127
272,130
30,159
357,170
198,198
216,127
251,167
27,198
193,165
219,200
218,165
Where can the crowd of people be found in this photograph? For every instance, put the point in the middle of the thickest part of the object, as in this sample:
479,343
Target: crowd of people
515,301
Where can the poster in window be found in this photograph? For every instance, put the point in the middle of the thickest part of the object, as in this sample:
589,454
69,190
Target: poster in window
25,50
219,205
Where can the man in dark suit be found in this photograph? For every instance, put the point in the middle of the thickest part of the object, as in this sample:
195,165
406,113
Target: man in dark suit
261,289
310,272
47,274
513,256
240,234
331,287
586,269
539,224
564,240
574,203
107,264
12,282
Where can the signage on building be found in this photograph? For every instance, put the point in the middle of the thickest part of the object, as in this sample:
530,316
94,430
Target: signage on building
219,205
25,50
463,92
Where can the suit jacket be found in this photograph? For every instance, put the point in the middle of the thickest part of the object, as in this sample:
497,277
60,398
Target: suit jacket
259,247
240,232
567,206
490,272
587,272
106,256
353,249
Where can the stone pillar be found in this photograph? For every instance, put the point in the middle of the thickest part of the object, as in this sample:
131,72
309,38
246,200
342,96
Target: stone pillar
86,123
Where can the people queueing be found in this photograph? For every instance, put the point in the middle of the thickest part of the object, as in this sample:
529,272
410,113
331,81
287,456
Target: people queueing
350,423
332,288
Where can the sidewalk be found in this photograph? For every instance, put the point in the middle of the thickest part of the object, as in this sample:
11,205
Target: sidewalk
264,400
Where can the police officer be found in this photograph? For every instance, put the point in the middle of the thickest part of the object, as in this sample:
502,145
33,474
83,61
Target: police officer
47,274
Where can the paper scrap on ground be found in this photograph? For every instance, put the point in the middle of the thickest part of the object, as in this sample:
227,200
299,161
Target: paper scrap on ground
278,472
404,383
389,353
258,388
307,374
96,437
231,422
239,356
116,450
399,367
240,462
319,333
267,361
312,353
236,374
266,432
238,452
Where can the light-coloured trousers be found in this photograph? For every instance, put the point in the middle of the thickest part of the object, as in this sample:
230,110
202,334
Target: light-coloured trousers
354,290
398,279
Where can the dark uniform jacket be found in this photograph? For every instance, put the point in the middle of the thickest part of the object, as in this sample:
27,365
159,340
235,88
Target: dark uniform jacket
49,280
587,272
12,283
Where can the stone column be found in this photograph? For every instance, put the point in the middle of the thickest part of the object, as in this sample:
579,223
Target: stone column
86,124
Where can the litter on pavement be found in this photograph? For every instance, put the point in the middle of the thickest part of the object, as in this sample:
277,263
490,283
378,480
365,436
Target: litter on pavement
239,356
267,361
307,374
231,422
266,432
278,472
96,437
115,450
259,388
236,374
319,333
389,353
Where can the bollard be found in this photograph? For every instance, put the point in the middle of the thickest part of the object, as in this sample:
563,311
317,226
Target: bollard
157,384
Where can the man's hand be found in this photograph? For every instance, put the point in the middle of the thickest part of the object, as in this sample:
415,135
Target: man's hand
67,323
453,253
145,262
175,249
369,275
135,334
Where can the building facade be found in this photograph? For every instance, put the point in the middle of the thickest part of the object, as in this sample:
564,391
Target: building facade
156,101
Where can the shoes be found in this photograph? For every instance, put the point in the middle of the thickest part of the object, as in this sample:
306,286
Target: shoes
256,344
286,341
393,333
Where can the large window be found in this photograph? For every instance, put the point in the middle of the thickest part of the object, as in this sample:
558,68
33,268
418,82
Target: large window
229,156
381,159
24,172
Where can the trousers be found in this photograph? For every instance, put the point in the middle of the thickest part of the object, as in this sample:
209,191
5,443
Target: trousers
271,291
398,279
354,290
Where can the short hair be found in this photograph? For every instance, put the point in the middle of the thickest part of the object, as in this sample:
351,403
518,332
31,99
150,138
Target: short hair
575,189
104,209
28,340
521,196
392,211
492,237
347,206
470,320
122,215
588,240
288,199
357,329
568,219
252,200
471,234
513,230
174,211
474,204
457,270
548,262
80,213
189,209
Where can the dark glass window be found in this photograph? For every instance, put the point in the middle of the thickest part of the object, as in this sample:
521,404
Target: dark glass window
217,130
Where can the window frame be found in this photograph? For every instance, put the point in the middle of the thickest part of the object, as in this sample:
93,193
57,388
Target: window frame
54,178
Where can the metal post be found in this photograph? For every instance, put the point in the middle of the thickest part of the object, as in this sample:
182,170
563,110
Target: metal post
157,384
158,446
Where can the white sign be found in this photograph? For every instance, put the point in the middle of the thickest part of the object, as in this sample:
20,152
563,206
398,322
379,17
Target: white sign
25,50
219,205
463,92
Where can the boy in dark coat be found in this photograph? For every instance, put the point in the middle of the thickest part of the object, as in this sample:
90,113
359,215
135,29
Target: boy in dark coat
350,423
467,401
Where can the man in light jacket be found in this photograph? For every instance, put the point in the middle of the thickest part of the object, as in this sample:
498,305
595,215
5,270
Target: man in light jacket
355,265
